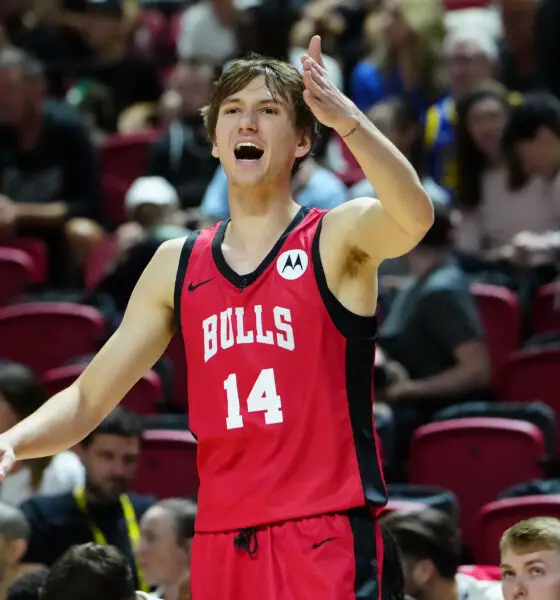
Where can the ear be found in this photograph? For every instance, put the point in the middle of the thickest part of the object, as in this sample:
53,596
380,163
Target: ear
18,548
215,153
304,145
423,571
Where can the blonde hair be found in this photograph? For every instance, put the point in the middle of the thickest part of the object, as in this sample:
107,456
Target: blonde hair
425,21
539,533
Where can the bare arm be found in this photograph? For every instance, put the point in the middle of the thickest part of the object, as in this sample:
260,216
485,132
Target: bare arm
395,223
66,418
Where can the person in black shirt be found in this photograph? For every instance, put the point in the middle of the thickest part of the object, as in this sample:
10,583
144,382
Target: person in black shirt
49,169
101,511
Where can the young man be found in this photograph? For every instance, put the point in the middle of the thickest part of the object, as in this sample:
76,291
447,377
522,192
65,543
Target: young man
530,560
276,307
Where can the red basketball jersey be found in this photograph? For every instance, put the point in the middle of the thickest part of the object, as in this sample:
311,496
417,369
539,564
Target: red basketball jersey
280,390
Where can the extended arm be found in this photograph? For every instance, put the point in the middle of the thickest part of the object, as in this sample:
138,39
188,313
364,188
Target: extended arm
66,418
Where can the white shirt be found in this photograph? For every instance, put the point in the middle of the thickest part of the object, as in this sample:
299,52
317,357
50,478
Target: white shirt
475,589
63,474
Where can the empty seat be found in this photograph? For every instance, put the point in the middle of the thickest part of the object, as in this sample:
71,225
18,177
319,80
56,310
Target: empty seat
167,467
467,457
16,272
44,335
141,399
496,517
499,311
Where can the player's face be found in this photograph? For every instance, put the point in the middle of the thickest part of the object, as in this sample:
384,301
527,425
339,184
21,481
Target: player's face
531,576
256,140
110,462
162,560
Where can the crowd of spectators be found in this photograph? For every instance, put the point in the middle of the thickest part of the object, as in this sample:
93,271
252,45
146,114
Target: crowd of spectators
104,155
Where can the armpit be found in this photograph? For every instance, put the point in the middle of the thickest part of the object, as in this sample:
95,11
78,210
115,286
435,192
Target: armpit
355,259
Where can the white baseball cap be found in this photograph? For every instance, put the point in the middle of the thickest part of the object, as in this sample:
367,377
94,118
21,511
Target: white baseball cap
151,190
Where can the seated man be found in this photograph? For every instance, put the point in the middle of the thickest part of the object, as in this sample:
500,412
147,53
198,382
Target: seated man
530,560
431,338
103,510
49,184
430,546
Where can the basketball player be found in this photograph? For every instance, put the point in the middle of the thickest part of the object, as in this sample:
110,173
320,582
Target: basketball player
276,309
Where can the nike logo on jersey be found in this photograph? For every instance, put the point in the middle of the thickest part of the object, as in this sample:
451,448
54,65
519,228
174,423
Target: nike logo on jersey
192,286
319,544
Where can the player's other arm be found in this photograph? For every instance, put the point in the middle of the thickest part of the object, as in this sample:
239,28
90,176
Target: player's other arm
66,418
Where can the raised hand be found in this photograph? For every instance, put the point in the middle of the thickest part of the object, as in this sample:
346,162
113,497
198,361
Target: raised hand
7,458
329,105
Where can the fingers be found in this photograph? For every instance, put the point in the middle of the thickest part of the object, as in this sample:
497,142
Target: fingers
314,49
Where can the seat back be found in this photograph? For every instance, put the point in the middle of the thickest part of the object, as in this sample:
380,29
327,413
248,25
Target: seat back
16,271
534,375
167,467
496,517
501,318
141,399
545,312
36,249
475,452
45,335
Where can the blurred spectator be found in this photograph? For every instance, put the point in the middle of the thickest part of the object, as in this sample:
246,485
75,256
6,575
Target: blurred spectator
312,185
90,572
407,37
519,66
164,554
49,170
182,153
431,347
548,43
28,586
398,121
109,70
489,228
530,560
532,137
471,57
103,510
431,549
208,31
153,206
21,394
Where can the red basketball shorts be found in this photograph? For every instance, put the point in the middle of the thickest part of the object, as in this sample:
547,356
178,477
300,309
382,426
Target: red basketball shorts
330,557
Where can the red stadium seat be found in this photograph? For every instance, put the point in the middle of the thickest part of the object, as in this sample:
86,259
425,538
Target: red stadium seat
167,467
37,250
545,315
534,375
150,36
16,269
501,319
482,572
352,172
45,335
496,517
98,260
470,457
175,353
113,192
450,5
124,157
141,399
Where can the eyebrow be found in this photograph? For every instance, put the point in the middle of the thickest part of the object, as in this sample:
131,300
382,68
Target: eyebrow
235,100
529,563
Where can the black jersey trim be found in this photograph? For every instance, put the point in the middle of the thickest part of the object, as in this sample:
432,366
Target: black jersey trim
360,356
243,281
348,323
368,553
186,252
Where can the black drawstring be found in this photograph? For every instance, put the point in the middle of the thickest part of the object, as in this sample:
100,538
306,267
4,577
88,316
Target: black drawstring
246,540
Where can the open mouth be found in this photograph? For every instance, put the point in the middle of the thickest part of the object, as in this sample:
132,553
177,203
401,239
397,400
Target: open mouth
245,151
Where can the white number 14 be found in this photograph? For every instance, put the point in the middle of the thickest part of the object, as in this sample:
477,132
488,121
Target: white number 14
262,398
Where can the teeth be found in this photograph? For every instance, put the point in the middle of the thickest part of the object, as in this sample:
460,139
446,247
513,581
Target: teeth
247,145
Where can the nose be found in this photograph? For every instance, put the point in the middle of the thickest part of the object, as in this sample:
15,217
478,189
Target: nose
519,591
248,121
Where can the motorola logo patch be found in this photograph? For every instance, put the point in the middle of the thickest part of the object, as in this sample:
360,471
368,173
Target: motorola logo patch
292,264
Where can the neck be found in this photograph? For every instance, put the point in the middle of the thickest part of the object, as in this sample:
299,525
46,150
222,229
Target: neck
443,589
259,215
29,130
94,497
177,591
421,260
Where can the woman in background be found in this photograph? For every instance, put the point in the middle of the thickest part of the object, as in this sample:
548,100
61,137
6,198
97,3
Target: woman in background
407,36
164,553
